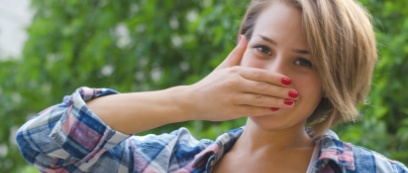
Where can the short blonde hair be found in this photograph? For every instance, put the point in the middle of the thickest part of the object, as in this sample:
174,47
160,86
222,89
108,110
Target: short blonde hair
343,49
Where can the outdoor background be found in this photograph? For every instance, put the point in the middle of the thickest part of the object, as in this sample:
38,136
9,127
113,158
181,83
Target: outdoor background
144,45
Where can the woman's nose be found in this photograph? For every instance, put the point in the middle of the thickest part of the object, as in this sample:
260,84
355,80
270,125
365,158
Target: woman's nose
277,65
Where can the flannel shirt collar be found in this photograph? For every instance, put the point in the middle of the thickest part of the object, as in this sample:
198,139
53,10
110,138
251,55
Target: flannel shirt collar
214,152
331,149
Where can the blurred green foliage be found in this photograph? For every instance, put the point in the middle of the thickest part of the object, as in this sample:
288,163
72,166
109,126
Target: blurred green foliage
148,45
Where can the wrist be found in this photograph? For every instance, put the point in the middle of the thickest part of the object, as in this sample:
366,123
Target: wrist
181,98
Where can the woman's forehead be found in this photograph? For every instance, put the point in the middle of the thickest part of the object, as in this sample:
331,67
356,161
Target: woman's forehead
281,23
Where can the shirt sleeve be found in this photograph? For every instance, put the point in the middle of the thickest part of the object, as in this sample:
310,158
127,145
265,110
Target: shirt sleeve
68,136
399,167
384,164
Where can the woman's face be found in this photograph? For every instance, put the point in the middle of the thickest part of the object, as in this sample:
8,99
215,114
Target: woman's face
279,45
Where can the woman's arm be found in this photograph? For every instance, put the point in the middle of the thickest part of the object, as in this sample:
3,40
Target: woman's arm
136,112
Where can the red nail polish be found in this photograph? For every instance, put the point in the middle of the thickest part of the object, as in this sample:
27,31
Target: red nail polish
293,93
274,109
288,102
286,81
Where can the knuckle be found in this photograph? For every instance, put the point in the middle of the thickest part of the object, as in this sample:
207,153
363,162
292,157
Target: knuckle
235,69
234,99
231,83
259,98
228,100
262,86
257,74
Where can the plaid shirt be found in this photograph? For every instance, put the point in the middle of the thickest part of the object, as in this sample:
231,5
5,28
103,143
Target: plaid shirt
69,137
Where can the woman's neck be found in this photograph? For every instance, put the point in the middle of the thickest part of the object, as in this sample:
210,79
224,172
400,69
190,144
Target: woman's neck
256,138
264,150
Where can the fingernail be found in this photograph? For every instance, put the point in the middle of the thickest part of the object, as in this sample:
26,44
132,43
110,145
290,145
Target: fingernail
274,109
286,81
293,93
288,102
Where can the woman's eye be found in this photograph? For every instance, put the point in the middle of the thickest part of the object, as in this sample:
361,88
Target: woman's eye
303,62
263,49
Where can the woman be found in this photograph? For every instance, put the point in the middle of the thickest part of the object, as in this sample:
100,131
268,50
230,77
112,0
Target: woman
303,65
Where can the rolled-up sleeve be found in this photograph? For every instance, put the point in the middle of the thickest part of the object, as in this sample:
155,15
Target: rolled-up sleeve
68,135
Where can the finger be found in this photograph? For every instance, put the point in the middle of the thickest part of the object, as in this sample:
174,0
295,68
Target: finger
234,58
263,75
259,100
268,89
246,110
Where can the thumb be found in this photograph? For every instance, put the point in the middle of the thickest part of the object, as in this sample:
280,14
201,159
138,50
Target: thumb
234,58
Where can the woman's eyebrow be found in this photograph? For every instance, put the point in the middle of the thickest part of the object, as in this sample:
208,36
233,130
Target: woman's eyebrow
268,40
299,51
